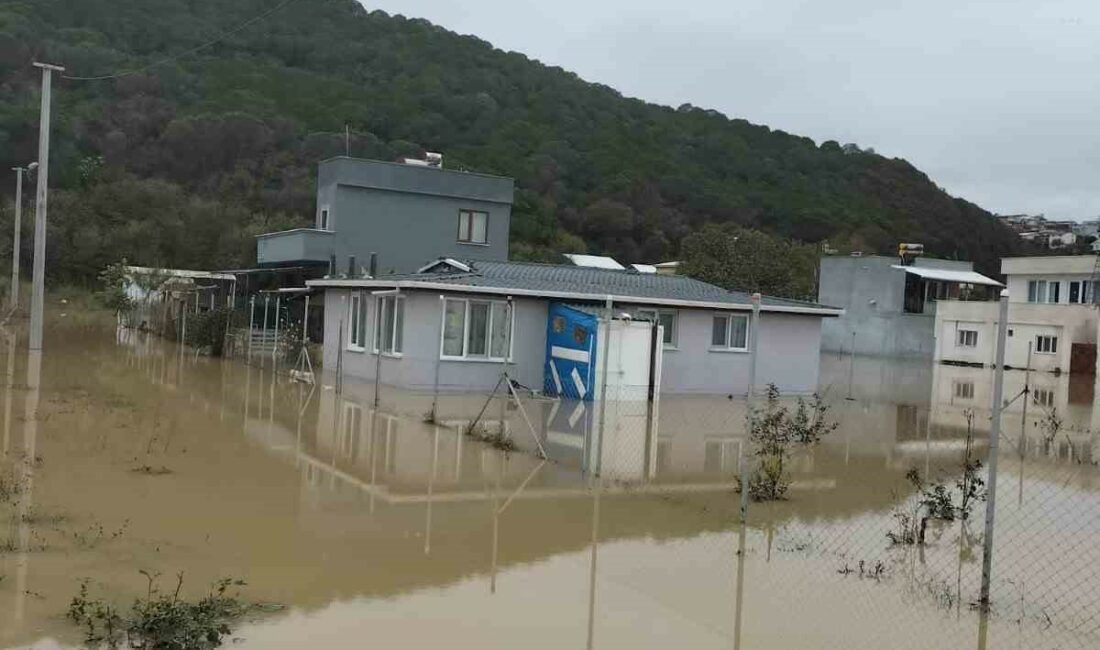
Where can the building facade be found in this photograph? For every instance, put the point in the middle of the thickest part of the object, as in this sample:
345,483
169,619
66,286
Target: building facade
1052,318
403,213
890,309
452,329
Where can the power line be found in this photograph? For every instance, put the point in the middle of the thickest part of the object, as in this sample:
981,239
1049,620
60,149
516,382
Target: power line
220,38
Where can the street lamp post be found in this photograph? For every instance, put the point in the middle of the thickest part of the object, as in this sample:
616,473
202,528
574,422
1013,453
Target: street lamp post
13,295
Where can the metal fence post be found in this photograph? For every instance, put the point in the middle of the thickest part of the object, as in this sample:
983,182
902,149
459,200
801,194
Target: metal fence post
750,392
605,368
251,323
267,300
506,395
438,359
275,343
754,329
994,437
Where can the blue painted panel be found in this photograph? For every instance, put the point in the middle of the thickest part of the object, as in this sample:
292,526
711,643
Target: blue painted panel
570,353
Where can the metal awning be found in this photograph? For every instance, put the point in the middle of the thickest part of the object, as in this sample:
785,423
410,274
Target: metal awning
949,275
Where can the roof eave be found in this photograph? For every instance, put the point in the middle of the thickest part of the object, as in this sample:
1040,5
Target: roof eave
572,295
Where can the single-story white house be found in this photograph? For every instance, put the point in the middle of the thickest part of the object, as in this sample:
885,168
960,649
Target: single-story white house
457,324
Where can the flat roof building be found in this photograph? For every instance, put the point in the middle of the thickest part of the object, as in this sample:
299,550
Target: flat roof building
1052,318
403,213
890,308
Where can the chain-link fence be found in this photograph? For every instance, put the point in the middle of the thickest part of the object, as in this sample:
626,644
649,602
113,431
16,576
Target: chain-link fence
625,511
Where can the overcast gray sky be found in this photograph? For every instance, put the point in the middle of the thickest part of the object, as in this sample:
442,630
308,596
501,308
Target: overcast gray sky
997,101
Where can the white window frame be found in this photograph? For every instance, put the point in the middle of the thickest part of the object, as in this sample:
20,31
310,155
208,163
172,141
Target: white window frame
357,314
1042,397
466,227
377,334
324,218
963,390
1052,344
1044,291
729,331
1085,290
465,356
961,336
351,429
655,316
729,451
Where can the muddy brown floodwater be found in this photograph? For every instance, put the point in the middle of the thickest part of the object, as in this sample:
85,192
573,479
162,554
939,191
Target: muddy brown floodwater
375,528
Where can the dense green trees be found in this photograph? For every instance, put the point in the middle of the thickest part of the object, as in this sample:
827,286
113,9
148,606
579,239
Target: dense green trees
750,260
182,162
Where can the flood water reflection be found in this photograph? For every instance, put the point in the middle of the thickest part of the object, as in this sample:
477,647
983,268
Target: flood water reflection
376,526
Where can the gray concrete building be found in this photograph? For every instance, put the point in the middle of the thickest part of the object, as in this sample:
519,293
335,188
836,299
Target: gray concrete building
890,309
405,213
447,324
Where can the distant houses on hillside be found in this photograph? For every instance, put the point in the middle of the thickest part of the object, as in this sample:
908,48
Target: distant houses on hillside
1051,233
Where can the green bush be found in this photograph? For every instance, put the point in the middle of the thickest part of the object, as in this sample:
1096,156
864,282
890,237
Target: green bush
160,621
114,281
207,330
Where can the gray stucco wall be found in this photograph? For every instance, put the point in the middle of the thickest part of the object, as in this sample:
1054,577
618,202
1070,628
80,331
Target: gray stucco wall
789,356
298,246
415,369
789,351
872,294
407,214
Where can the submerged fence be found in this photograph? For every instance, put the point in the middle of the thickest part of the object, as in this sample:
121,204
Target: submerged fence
719,521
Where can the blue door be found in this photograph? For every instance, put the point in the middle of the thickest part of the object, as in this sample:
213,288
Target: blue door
570,353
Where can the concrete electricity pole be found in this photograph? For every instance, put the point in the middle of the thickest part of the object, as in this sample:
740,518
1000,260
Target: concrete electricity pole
38,290
13,294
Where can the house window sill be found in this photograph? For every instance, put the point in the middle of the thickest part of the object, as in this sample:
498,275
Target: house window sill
475,360
473,243
390,355
730,350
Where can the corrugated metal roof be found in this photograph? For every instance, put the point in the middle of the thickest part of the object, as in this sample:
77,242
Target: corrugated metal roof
555,280
950,275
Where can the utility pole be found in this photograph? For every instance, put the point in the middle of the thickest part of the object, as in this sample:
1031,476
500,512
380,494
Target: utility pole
13,295
38,290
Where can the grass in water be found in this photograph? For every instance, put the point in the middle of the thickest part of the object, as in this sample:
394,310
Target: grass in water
160,620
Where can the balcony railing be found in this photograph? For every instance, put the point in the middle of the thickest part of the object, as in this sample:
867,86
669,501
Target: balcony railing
295,246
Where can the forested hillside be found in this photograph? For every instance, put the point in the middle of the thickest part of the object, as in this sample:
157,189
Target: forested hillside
191,150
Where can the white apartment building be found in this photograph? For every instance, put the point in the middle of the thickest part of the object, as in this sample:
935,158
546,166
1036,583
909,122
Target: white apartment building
1052,318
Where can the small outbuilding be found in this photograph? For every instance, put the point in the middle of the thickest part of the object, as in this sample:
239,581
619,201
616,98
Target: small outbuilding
456,324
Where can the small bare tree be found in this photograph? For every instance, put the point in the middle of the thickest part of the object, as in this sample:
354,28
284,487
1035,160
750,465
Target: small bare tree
775,431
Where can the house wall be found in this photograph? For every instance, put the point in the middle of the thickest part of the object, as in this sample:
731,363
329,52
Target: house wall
407,214
872,294
1070,323
1048,264
789,351
416,367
